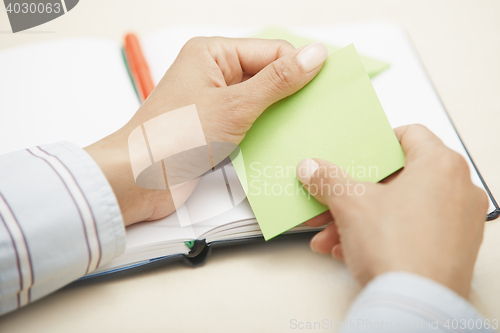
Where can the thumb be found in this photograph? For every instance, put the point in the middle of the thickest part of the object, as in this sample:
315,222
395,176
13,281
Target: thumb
286,75
417,140
328,183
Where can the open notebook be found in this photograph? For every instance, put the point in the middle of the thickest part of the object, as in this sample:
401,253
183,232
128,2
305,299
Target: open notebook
78,90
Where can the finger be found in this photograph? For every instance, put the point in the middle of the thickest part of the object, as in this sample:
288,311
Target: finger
416,140
320,219
337,252
283,77
324,241
239,57
255,54
327,182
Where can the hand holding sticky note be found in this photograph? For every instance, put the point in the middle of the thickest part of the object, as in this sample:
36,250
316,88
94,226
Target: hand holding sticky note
336,117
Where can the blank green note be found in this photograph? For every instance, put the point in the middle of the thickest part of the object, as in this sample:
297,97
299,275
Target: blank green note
372,66
336,117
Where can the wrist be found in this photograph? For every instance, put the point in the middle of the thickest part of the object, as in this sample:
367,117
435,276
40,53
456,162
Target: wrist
111,155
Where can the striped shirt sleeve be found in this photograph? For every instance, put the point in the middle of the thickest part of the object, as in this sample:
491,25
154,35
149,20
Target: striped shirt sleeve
404,302
59,220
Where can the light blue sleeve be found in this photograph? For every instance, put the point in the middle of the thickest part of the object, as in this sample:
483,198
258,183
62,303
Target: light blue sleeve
59,220
405,302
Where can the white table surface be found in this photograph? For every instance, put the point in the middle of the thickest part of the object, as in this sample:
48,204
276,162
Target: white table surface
262,287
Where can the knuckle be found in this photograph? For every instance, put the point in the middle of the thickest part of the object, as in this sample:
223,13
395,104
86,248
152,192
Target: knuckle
284,45
215,39
195,42
418,128
483,200
417,131
455,164
215,42
281,76
282,42
460,165
421,137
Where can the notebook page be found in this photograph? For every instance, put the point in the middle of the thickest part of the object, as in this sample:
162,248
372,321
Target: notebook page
75,90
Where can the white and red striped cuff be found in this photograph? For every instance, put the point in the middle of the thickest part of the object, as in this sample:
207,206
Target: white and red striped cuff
59,220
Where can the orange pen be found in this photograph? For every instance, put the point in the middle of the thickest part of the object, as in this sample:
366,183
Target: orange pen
138,66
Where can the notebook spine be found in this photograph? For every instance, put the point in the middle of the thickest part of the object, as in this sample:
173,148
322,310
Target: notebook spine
198,254
493,215
201,249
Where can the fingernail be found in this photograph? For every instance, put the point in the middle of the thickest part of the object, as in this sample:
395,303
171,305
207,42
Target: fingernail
306,169
312,56
311,244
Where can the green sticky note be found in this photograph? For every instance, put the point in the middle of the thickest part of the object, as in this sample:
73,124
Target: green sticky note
372,66
336,117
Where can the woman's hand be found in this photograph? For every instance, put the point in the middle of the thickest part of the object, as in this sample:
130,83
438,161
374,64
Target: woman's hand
428,219
231,82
